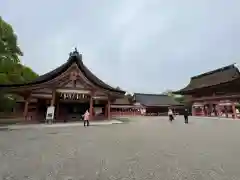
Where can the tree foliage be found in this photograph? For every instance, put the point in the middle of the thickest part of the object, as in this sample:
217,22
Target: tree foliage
11,70
178,98
130,97
9,49
168,92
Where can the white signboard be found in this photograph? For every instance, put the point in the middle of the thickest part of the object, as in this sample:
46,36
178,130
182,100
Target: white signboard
50,112
137,104
198,105
97,110
143,111
225,104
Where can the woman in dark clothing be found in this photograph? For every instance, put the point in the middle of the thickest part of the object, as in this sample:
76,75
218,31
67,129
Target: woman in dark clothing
186,116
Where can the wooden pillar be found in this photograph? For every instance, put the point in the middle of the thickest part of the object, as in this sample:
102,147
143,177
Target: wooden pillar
234,111
25,112
57,110
106,111
218,109
204,113
53,98
91,108
52,102
109,109
221,109
210,109
193,111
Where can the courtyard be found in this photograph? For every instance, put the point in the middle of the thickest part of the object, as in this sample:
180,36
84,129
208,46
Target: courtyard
147,148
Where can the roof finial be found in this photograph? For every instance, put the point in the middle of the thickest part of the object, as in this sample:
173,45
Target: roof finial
75,52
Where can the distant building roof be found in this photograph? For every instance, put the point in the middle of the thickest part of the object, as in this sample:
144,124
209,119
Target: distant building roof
154,99
122,101
216,77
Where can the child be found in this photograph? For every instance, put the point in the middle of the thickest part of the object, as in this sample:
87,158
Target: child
86,118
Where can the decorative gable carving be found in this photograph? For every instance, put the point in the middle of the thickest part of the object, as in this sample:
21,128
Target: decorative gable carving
74,78
74,82
76,74
69,84
79,84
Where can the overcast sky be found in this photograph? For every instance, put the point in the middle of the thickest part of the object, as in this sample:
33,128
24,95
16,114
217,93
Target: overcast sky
140,45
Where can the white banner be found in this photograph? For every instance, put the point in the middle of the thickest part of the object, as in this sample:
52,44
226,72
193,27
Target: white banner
98,110
50,112
198,105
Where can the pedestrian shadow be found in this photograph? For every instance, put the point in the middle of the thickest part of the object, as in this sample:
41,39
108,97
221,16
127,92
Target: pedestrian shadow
123,120
4,129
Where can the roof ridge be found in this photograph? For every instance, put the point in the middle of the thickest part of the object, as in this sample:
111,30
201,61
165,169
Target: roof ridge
213,71
151,94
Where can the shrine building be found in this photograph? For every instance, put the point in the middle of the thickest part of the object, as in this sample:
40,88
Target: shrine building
214,93
156,104
71,88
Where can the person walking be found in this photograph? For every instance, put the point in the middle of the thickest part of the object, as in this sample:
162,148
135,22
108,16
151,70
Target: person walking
170,114
186,116
86,118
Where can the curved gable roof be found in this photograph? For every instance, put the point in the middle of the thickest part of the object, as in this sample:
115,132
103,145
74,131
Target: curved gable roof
75,57
212,78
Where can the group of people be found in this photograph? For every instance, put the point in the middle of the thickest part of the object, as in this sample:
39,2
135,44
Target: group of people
171,115
86,117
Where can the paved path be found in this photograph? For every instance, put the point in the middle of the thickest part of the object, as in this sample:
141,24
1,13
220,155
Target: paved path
146,148
55,125
215,118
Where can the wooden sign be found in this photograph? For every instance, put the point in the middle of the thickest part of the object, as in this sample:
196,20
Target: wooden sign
74,96
50,112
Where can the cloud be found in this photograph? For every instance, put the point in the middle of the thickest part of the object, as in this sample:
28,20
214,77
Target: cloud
139,45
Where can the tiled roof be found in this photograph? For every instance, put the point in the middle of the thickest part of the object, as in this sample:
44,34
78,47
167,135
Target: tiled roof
75,57
122,101
212,78
154,99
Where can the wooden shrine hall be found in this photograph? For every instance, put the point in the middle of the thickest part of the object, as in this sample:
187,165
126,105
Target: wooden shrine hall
214,93
71,88
156,104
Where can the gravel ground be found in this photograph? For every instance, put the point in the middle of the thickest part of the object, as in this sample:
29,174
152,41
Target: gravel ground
146,148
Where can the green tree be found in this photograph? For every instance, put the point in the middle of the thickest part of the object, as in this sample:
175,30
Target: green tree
11,70
130,98
28,74
9,49
178,98
168,92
